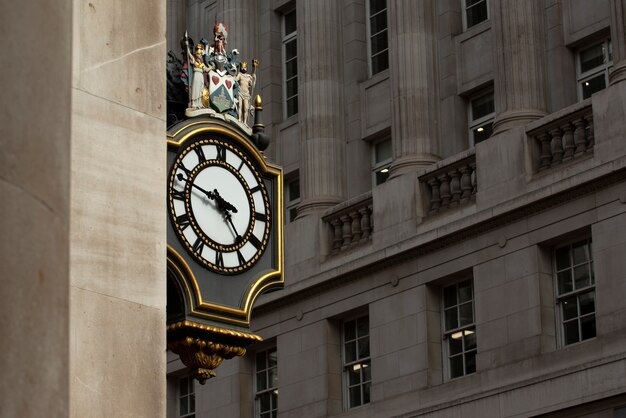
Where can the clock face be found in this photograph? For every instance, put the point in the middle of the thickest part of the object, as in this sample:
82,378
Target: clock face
219,206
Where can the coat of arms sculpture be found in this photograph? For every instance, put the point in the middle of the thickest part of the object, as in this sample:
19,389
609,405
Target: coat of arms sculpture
218,83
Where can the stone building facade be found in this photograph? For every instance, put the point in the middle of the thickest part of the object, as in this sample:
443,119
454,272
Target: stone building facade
456,209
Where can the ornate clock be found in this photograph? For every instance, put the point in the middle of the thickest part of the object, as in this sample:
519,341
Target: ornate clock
219,205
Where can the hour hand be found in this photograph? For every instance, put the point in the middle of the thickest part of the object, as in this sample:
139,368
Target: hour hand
223,204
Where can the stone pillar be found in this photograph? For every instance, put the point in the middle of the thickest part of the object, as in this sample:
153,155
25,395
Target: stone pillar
240,16
320,104
520,92
618,38
176,24
413,64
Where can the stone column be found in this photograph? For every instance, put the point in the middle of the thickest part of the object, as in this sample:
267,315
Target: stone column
320,104
618,38
520,93
240,16
176,24
414,84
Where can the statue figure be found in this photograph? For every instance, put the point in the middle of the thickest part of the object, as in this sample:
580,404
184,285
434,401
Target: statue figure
246,86
196,91
220,33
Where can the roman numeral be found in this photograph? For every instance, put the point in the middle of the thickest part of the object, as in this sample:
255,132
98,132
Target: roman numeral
260,216
182,167
219,259
255,189
255,241
183,221
200,153
221,152
242,260
198,246
178,194
240,166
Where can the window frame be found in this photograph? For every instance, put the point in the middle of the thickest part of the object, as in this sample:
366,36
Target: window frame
345,365
380,165
269,389
370,57
446,334
190,393
475,123
605,68
291,204
285,39
464,13
558,298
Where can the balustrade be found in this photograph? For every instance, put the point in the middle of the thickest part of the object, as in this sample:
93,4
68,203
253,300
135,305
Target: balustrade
451,186
350,223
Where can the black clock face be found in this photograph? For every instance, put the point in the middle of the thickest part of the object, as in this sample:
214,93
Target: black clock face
219,206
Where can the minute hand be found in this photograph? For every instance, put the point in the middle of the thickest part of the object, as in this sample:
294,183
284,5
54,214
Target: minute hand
208,194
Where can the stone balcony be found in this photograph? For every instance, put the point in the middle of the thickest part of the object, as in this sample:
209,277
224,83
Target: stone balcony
350,223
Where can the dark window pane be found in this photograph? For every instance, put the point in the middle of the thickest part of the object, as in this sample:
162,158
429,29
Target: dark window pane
377,6
564,281
292,106
581,276
261,383
593,280
593,85
456,366
451,319
266,415
294,190
455,345
291,50
367,372
466,312
591,58
366,393
274,399
183,386
379,42
349,329
260,361
364,347
273,377
587,303
355,396
562,258
184,407
271,358
482,132
382,175
470,362
470,340
293,212
264,399
580,252
350,351
570,331
192,403
449,296
362,327
292,87
378,23
290,22
380,62
354,374
570,310
382,151
465,291
588,327
482,106
291,68
476,14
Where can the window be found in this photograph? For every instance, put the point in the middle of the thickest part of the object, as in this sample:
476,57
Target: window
290,66
356,361
378,43
292,197
266,396
481,115
474,12
459,328
381,160
575,292
594,63
186,398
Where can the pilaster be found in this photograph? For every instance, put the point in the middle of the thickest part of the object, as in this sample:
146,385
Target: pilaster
618,38
240,16
520,95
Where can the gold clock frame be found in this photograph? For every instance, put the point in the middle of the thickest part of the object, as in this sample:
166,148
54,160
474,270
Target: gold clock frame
239,316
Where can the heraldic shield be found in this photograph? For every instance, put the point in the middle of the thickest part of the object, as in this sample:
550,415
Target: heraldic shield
221,91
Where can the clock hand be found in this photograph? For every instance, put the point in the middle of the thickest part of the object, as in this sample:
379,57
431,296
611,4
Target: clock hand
209,194
228,217
223,204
